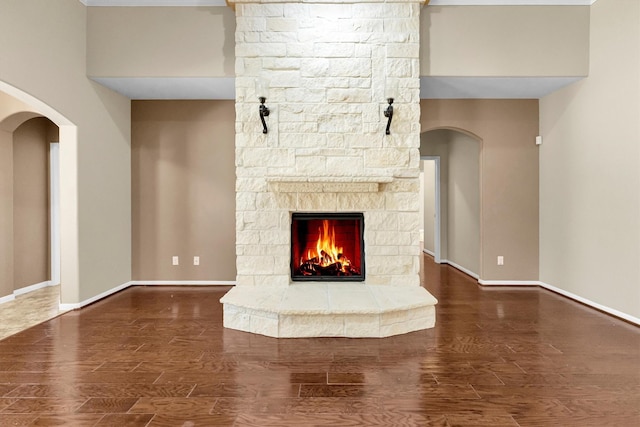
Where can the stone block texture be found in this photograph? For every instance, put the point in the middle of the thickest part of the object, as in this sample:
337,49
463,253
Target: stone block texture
326,70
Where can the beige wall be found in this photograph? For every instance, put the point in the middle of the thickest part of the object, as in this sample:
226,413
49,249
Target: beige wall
43,51
456,41
174,41
183,195
31,203
506,41
577,237
464,201
460,195
12,114
508,178
590,169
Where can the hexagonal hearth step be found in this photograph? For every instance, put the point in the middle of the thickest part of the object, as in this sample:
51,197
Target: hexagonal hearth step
329,310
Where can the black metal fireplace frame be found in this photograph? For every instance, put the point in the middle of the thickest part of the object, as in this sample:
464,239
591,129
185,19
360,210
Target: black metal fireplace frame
308,216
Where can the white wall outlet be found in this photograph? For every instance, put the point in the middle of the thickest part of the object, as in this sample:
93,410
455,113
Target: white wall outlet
538,140
500,260
196,260
175,260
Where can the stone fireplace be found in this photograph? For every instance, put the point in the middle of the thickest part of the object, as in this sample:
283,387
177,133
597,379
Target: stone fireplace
326,70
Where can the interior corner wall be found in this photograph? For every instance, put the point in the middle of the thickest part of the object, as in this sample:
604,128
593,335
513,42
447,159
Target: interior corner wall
43,50
590,169
183,190
31,203
508,178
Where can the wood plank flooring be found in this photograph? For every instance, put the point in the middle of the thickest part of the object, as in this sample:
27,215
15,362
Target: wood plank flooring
159,356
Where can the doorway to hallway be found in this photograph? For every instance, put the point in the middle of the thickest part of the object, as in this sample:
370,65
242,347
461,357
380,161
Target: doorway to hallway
450,161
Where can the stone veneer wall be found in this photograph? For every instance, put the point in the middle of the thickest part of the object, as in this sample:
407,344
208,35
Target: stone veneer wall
329,68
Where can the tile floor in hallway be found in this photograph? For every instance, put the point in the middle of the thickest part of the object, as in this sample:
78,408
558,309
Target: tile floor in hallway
159,356
28,310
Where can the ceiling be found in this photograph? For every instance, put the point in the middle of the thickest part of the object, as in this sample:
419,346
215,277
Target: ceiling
432,2
430,87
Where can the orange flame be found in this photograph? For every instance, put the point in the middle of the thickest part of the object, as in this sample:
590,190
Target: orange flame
326,250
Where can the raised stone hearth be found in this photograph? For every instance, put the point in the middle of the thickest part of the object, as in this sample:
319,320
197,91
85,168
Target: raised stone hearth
326,70
329,310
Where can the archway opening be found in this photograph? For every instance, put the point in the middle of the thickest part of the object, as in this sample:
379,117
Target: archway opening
17,108
451,200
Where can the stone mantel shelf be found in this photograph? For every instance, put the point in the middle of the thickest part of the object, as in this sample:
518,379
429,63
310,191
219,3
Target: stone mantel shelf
329,309
329,179
304,184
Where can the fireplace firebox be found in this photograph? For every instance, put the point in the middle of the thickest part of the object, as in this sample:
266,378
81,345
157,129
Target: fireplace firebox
327,247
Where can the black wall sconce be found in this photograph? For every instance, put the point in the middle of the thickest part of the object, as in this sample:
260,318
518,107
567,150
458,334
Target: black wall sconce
264,112
389,114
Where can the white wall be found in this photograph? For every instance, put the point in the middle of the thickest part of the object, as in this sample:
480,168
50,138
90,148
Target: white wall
429,203
590,169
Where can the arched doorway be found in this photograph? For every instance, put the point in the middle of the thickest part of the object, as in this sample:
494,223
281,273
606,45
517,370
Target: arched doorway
452,198
33,246
18,107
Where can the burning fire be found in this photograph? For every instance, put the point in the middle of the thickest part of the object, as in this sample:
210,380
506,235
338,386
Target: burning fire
327,258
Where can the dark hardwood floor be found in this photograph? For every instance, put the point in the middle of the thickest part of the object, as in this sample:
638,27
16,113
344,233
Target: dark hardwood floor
159,356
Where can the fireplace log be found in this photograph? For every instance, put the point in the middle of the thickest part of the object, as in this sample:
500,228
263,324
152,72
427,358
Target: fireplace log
324,265
334,269
308,269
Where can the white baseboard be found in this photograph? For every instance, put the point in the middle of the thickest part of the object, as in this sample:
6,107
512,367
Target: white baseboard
32,288
75,306
570,295
25,290
185,282
461,268
611,311
428,252
590,303
7,298
508,282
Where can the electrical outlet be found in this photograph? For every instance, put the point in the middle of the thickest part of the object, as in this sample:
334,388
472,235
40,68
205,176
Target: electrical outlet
500,260
175,260
196,260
